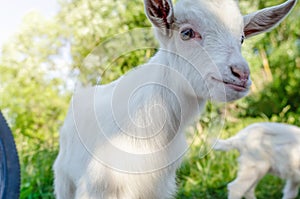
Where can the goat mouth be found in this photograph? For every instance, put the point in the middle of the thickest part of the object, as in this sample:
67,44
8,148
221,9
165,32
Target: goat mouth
234,86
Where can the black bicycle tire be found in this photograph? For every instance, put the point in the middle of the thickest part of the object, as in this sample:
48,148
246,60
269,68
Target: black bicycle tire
10,166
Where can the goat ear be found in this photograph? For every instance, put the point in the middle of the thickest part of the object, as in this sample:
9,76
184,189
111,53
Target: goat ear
266,19
160,13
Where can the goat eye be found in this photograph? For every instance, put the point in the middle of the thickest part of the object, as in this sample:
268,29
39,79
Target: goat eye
242,39
187,34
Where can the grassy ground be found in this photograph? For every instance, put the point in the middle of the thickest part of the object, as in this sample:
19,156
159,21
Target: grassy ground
207,177
204,174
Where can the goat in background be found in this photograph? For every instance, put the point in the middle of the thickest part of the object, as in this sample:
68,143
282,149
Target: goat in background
265,148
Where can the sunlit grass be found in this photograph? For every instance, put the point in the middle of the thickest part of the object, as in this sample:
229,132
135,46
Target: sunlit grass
200,176
207,177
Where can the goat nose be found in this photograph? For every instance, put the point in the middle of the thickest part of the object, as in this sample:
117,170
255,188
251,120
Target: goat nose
242,74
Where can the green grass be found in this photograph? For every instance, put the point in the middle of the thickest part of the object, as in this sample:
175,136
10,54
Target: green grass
200,176
207,177
36,160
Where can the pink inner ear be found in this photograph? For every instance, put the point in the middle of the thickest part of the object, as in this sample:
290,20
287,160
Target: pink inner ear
267,19
250,31
159,10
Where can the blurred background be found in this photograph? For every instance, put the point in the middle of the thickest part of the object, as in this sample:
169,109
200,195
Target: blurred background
44,43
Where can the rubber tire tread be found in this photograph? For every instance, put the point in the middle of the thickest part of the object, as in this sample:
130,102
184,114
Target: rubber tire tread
10,163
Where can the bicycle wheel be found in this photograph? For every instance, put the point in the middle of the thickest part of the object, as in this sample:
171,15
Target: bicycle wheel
9,163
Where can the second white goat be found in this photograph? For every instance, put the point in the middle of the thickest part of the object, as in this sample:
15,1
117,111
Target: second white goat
265,148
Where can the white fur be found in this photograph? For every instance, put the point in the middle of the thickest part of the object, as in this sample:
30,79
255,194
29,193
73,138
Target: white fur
265,148
125,140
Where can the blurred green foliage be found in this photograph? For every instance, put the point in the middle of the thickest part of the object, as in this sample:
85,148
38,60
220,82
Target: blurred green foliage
279,52
40,64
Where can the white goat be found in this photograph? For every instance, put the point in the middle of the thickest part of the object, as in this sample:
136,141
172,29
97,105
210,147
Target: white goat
125,140
265,147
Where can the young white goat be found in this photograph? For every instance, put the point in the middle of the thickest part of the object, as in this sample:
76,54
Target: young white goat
125,140
265,147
